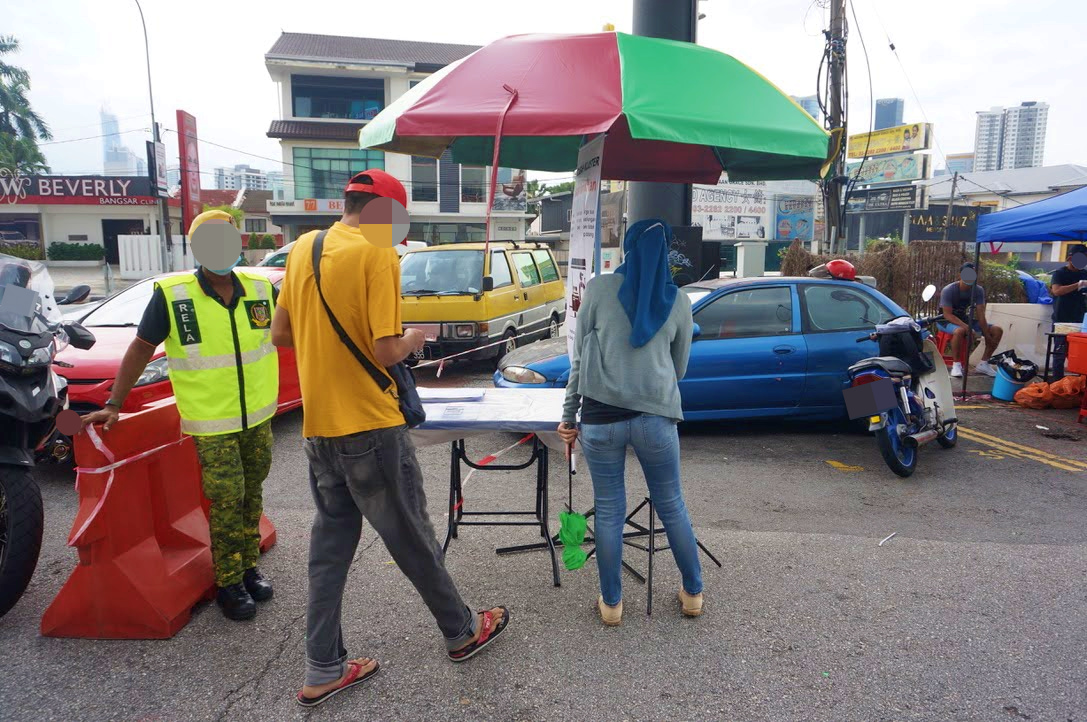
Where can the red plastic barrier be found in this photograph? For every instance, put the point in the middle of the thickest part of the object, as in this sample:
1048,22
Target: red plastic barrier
141,532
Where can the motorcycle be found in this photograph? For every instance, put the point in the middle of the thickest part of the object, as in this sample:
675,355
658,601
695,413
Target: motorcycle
925,406
32,332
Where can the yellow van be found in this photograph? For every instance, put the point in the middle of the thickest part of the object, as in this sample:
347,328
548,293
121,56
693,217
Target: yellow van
461,301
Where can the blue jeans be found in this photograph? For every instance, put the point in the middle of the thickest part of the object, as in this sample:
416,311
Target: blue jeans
656,443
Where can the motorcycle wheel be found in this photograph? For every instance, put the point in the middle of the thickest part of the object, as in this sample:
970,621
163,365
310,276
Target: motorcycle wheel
949,438
901,458
21,522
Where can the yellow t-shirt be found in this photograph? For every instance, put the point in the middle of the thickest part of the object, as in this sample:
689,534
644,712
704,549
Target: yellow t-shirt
361,283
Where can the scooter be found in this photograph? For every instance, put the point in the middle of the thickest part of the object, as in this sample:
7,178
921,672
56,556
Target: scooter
31,397
925,408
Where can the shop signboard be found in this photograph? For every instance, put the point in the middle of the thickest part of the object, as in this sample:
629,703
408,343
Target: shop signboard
928,225
900,139
189,153
96,190
732,211
331,206
794,218
885,199
890,169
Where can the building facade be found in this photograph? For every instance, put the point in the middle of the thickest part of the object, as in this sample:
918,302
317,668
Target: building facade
1010,138
329,88
810,104
242,176
889,112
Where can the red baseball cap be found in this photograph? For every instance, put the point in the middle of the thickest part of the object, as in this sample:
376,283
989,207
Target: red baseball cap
380,184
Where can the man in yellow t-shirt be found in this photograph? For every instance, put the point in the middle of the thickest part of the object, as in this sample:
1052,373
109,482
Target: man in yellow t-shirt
361,459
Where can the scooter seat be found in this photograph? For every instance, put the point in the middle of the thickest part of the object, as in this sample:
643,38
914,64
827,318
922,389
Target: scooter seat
891,364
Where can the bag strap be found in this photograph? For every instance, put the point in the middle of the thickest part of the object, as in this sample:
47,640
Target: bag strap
381,379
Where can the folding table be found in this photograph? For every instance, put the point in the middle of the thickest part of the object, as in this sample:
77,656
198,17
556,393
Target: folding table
527,411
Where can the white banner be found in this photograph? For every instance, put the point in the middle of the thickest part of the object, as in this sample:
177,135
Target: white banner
584,230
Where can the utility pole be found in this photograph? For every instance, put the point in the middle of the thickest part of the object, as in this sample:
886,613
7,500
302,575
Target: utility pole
951,209
164,208
671,20
832,189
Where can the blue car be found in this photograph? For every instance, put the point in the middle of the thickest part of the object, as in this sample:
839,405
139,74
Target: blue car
763,347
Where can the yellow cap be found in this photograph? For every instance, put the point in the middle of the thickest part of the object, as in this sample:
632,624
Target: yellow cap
210,215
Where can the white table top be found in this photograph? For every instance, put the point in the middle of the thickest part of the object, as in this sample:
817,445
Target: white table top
537,411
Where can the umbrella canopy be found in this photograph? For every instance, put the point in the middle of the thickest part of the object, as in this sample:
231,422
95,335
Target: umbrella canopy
673,111
1056,219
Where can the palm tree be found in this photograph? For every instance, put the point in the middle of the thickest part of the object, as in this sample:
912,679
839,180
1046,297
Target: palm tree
20,127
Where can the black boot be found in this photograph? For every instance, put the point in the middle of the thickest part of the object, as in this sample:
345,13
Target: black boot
236,602
257,586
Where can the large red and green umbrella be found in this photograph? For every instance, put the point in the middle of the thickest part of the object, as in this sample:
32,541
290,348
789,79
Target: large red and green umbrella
672,111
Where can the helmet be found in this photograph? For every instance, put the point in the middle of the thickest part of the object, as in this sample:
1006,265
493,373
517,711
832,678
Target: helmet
15,273
842,270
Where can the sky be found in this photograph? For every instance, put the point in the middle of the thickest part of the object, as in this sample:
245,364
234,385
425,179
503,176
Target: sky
958,56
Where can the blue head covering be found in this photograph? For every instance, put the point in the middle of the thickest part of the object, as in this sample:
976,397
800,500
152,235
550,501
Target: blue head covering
647,293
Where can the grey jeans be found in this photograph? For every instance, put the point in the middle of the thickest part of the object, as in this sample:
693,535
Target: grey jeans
373,474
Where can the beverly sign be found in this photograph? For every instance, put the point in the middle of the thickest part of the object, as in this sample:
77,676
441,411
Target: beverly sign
80,190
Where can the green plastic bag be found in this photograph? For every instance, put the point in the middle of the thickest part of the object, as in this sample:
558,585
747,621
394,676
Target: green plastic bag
572,527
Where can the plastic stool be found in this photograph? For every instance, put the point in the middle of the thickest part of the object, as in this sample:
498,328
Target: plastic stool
943,342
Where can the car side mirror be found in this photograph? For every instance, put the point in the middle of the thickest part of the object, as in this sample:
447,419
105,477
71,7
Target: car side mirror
78,294
488,284
78,336
696,331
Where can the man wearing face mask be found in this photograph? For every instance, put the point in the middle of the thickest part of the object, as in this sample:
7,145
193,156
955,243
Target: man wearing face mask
216,325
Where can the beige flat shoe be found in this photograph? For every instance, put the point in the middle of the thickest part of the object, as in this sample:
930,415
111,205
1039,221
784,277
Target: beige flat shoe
611,616
691,603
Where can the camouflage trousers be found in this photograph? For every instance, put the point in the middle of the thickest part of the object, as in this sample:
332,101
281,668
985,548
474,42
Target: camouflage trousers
234,468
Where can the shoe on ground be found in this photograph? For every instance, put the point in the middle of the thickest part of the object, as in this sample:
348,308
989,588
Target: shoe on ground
611,616
692,604
236,602
985,368
258,587
956,370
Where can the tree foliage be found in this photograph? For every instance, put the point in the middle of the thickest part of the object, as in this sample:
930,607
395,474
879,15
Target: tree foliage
20,127
236,213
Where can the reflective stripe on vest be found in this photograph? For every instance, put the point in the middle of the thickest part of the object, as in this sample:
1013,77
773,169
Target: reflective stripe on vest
221,359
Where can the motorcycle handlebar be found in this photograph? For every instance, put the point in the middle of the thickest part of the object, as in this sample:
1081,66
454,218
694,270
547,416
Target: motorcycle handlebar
862,339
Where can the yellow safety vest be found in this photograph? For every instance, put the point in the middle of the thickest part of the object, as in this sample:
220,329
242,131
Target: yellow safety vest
223,366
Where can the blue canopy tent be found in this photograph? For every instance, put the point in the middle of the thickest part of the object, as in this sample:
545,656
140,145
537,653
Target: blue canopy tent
1054,220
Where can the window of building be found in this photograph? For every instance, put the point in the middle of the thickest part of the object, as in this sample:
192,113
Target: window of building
473,184
439,233
547,266
424,179
500,269
323,172
526,269
256,225
320,97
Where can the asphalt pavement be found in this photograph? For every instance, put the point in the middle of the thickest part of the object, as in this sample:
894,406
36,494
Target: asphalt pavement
976,608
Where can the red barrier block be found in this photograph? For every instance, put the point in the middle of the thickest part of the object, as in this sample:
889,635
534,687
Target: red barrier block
141,532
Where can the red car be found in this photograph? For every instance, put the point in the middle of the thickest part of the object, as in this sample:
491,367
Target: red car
113,323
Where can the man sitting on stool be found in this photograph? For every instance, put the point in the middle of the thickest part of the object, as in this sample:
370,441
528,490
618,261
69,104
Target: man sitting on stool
955,303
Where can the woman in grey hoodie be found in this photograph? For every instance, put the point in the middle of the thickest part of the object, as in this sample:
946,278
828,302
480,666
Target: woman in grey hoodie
631,346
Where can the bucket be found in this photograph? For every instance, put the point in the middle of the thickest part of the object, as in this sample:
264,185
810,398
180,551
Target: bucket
1077,353
1004,387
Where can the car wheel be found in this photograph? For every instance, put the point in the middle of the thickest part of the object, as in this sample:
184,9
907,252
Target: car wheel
553,327
509,345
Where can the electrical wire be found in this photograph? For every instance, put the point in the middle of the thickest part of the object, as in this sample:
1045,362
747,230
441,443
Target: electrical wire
871,117
94,137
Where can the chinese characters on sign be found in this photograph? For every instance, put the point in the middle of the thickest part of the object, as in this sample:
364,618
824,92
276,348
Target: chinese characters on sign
732,211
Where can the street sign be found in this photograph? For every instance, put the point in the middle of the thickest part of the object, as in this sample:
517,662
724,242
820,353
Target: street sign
156,167
191,206
890,169
900,139
879,200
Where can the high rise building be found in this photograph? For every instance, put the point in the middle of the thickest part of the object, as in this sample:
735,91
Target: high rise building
1008,138
889,112
810,103
117,159
232,179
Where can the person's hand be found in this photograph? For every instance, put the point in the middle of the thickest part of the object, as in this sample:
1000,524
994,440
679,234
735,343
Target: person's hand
1082,285
107,417
568,434
415,340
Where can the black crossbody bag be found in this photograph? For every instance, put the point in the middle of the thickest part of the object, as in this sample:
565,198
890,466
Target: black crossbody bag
410,403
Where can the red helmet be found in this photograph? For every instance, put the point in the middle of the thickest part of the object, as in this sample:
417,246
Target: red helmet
842,270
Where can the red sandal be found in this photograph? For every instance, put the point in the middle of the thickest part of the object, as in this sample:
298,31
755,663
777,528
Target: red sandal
353,678
487,634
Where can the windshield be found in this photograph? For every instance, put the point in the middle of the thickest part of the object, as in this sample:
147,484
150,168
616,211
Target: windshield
453,272
30,306
696,293
124,309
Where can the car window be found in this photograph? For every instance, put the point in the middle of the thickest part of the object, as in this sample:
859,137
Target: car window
546,265
696,293
747,313
500,269
527,272
836,308
436,272
124,309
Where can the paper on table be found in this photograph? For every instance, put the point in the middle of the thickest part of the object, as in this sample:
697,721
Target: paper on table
446,396
460,412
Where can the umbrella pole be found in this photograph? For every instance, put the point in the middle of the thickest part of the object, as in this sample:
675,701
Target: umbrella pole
494,167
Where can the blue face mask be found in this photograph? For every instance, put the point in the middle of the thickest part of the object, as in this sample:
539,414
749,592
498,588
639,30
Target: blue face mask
227,270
